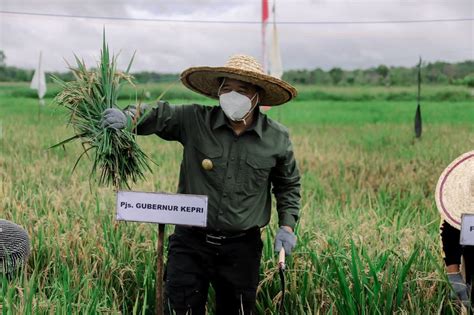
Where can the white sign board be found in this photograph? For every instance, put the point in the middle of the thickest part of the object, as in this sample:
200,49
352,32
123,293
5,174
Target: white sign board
467,229
179,209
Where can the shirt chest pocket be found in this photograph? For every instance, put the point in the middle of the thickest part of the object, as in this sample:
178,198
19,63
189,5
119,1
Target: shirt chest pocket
210,165
256,173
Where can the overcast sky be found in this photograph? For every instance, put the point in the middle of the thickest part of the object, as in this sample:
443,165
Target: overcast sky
172,47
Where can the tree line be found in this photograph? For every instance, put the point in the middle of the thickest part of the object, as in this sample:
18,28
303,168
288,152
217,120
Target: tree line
461,73
439,72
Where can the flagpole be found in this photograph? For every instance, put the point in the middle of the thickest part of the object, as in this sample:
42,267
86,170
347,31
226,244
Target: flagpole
264,25
263,49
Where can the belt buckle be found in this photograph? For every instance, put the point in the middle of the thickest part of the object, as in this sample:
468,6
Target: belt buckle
214,240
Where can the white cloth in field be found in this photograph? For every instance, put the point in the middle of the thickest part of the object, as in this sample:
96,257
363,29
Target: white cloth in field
39,80
14,246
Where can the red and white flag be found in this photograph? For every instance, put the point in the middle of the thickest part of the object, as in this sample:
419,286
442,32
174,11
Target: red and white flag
276,67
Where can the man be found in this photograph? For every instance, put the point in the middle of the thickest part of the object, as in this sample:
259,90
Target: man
236,156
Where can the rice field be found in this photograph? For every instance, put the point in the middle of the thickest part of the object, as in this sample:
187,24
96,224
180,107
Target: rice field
367,238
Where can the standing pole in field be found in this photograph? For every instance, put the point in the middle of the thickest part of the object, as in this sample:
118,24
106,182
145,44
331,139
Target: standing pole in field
159,310
418,124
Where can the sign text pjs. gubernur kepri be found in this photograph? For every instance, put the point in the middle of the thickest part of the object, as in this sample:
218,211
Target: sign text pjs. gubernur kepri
162,208
154,206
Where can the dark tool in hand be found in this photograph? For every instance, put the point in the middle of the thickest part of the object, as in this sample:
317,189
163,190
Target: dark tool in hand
281,271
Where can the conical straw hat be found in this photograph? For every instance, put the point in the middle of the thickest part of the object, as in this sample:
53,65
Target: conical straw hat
455,190
206,80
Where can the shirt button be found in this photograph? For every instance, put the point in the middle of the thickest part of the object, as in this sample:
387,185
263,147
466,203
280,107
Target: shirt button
229,177
232,158
225,195
221,212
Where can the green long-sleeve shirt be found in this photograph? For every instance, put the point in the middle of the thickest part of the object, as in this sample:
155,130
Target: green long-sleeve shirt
243,168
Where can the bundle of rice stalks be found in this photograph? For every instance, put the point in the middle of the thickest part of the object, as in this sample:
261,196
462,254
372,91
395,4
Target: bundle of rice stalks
116,156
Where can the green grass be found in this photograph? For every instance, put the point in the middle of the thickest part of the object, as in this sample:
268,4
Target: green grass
305,92
368,234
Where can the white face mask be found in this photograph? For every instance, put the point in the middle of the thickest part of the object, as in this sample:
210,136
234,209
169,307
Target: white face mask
235,105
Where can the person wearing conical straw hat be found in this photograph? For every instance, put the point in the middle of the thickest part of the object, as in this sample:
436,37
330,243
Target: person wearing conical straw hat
455,198
237,156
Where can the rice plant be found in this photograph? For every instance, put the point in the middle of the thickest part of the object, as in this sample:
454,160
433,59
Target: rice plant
115,154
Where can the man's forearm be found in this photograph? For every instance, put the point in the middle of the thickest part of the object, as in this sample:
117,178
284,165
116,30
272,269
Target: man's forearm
147,124
288,202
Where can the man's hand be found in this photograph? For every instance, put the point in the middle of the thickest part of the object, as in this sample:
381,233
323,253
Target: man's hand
132,110
285,238
113,118
460,289
116,119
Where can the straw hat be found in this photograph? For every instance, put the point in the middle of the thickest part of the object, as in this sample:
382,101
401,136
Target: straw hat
206,80
455,190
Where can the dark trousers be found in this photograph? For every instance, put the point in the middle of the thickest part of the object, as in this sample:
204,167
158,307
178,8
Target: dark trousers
230,266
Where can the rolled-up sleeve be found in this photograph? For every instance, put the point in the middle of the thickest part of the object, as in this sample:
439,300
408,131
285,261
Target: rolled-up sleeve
285,180
164,120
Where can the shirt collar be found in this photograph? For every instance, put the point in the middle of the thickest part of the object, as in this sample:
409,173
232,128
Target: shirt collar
257,126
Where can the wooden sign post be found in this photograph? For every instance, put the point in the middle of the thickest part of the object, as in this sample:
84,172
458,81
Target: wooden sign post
159,309
177,209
